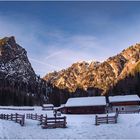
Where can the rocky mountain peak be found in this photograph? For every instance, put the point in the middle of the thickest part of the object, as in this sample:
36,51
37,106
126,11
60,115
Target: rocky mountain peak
14,62
103,75
10,40
19,85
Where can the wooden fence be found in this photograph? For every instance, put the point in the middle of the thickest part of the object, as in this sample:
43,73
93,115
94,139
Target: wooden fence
54,122
35,117
48,122
18,118
106,119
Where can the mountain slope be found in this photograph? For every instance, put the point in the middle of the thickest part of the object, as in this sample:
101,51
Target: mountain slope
14,63
104,75
130,84
19,85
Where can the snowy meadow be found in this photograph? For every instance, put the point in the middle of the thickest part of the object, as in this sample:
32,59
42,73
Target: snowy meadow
78,127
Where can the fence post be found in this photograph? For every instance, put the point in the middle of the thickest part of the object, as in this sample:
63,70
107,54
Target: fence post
7,117
26,116
55,120
96,121
64,121
46,120
116,116
107,118
36,116
16,116
22,120
11,117
41,119
115,119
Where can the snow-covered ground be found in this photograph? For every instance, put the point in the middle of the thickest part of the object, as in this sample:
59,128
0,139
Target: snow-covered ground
78,127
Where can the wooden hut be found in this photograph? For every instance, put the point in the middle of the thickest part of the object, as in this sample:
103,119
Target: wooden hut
124,103
85,105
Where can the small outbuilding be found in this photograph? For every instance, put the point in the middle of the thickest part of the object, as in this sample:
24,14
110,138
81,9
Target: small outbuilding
85,105
124,103
47,107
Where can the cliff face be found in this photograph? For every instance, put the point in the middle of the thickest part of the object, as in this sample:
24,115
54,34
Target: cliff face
19,85
14,63
104,75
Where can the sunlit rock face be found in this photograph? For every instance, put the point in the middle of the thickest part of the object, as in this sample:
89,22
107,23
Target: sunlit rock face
14,63
103,75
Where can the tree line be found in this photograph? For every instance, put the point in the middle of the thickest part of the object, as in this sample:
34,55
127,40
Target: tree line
58,96
22,93
129,85
38,92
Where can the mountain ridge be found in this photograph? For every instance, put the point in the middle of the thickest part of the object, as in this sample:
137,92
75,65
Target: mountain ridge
96,74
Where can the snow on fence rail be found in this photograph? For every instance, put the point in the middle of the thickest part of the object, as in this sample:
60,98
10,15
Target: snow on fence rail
24,109
106,119
47,107
48,122
18,118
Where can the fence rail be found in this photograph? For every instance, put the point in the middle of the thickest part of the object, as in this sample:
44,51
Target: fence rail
129,112
106,119
18,118
34,117
48,122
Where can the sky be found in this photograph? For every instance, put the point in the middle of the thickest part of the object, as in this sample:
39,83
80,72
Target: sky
59,33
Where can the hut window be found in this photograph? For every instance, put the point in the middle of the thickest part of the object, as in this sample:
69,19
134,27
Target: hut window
122,108
117,109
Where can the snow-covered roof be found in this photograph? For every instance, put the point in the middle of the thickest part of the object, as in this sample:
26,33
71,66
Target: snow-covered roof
48,105
61,106
86,101
124,98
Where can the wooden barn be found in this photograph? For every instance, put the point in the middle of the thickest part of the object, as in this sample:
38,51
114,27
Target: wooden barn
85,105
124,103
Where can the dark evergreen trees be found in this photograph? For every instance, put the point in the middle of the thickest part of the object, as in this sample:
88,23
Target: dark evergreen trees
22,93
